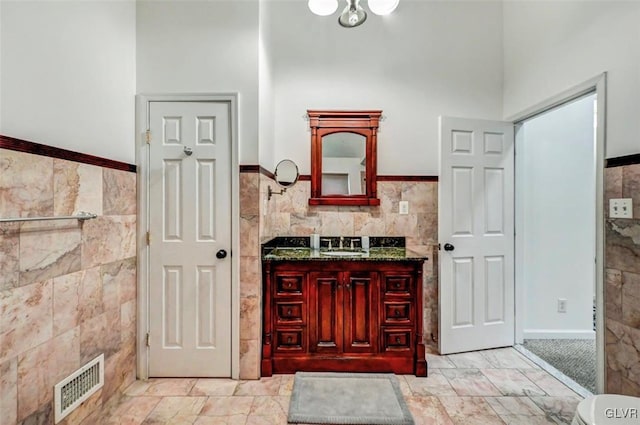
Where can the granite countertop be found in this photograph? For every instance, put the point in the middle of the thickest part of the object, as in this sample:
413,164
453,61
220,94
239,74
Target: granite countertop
297,249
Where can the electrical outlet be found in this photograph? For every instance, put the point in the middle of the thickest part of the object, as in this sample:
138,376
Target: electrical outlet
403,206
621,208
562,305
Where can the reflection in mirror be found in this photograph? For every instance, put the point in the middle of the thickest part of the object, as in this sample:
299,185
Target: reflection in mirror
343,164
286,173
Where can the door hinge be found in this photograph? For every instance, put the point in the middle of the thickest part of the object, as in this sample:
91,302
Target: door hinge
148,340
147,136
148,238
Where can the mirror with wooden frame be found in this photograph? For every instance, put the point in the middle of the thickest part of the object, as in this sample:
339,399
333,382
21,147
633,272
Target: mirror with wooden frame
343,157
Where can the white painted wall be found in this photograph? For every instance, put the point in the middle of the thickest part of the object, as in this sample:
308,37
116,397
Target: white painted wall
203,47
550,46
424,60
266,107
349,166
555,220
67,75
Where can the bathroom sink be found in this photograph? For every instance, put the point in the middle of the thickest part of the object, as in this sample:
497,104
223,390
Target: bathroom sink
342,253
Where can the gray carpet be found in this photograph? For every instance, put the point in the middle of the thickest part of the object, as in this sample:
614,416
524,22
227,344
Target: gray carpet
576,358
348,398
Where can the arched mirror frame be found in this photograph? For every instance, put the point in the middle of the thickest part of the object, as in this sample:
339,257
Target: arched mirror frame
365,123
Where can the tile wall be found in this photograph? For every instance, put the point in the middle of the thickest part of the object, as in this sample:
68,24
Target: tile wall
622,284
290,214
250,276
67,289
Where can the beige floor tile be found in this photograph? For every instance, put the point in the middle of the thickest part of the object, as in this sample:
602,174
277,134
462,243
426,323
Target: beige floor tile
470,382
466,406
449,395
286,385
183,410
478,420
527,420
221,420
507,358
434,384
164,387
270,406
561,409
427,410
548,383
264,386
514,406
267,420
227,406
435,361
211,387
404,386
511,382
128,411
471,360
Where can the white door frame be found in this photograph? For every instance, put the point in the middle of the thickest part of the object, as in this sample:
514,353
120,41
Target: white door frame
142,163
596,85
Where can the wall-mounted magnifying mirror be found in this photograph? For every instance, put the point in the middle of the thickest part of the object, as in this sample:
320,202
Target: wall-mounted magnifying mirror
286,175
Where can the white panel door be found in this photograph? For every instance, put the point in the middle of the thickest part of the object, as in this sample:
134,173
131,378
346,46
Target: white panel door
190,227
475,229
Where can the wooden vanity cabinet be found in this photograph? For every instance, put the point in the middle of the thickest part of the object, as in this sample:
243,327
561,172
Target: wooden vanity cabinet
343,316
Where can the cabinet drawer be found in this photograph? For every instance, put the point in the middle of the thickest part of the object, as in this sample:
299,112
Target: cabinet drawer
290,341
397,312
397,285
396,339
290,312
289,284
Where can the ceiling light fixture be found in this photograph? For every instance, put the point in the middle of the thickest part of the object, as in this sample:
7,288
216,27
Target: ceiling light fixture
352,15
323,7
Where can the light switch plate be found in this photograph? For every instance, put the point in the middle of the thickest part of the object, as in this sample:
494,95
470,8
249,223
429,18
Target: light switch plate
403,206
621,208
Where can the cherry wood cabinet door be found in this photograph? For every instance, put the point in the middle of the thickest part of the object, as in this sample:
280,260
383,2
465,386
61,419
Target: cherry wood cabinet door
360,312
325,308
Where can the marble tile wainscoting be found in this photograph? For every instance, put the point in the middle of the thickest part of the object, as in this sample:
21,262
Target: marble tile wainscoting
622,284
251,225
290,214
67,289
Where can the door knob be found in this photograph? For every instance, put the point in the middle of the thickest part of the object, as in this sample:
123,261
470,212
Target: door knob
449,247
222,254
187,151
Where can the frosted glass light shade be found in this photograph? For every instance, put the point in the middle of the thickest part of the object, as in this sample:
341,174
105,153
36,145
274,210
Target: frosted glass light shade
323,7
383,7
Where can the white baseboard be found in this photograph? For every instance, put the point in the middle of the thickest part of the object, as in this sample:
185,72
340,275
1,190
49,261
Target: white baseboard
558,334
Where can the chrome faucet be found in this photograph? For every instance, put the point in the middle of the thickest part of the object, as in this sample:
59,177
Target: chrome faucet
328,240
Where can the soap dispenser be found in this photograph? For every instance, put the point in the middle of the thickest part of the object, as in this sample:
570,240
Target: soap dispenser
314,240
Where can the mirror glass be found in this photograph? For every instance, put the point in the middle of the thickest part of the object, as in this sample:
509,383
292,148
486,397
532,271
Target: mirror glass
286,173
344,164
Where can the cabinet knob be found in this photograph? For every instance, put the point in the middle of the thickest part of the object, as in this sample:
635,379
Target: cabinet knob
287,285
348,286
289,312
289,339
397,312
397,285
397,339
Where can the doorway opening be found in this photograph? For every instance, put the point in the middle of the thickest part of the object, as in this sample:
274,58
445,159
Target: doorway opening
556,238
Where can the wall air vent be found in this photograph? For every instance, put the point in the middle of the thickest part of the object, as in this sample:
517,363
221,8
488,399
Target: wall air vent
77,387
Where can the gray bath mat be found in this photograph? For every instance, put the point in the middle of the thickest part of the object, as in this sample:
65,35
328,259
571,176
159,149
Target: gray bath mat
348,398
